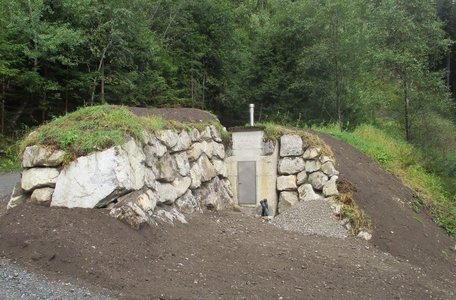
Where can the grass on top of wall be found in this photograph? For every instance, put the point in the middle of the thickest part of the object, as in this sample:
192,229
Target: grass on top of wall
406,162
96,128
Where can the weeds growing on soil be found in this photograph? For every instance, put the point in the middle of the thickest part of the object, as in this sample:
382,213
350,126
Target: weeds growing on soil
406,162
9,155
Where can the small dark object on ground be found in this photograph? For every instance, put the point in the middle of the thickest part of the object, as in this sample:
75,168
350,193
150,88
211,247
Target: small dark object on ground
264,208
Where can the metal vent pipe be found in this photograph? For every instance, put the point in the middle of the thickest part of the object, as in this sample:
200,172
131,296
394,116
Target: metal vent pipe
252,111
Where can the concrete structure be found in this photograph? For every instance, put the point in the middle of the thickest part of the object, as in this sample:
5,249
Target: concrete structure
252,168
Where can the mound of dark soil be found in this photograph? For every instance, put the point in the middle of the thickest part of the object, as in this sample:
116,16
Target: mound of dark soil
185,115
398,229
215,256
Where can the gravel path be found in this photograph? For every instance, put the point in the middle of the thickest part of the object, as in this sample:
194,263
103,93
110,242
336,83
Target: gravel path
7,182
311,217
16,283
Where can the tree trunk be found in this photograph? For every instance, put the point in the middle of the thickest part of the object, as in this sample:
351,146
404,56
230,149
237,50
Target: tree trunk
103,101
35,36
406,110
338,96
448,71
2,114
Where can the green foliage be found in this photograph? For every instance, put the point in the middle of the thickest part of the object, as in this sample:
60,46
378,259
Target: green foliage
9,156
408,163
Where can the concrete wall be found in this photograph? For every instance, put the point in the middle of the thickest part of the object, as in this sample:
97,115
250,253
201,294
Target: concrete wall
249,146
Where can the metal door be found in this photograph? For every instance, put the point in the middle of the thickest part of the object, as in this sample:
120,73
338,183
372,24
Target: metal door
247,182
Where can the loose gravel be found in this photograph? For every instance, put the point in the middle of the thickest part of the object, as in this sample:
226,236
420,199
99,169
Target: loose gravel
17,283
311,217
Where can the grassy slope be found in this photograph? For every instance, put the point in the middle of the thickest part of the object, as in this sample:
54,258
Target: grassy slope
406,162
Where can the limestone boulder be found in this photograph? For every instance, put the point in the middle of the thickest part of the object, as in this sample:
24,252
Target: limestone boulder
307,193
291,165
165,215
218,150
328,169
131,214
286,200
301,178
39,156
312,153
18,196
167,193
183,141
146,200
286,183
181,184
150,178
291,145
38,177
195,135
167,168
206,134
213,195
312,166
188,203
326,159
330,187
215,134
182,163
154,148
318,180
208,170
195,175
42,196
197,149
228,187
220,167
95,180
167,137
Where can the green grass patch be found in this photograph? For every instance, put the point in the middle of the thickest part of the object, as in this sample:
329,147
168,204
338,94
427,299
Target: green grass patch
407,162
96,128
9,155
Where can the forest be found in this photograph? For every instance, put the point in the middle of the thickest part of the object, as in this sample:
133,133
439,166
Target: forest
387,63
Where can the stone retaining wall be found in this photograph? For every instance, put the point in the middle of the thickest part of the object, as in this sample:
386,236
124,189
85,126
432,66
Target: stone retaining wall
171,175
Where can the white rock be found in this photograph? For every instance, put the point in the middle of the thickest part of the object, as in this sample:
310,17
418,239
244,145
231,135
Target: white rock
220,167
206,134
318,180
42,196
154,149
168,137
214,195
188,204
215,134
17,197
197,149
167,168
325,159
208,171
38,178
291,165
181,184
365,235
312,153
330,187
286,183
97,179
336,208
328,169
183,141
291,145
312,166
169,216
182,164
286,200
195,176
218,150
307,193
301,178
150,178
167,194
130,213
39,156
228,187
195,135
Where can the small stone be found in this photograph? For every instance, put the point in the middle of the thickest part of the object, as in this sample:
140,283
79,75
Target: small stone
195,135
312,166
318,180
39,177
42,196
39,156
311,153
365,235
330,187
154,148
307,193
328,169
291,165
167,137
215,134
336,208
183,141
286,200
